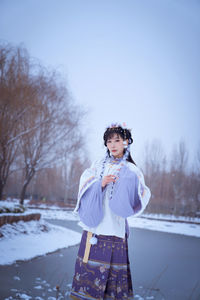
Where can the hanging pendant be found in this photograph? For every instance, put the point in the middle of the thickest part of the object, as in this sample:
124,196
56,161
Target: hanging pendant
125,144
93,240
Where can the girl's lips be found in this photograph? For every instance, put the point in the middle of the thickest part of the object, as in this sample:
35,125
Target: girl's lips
114,150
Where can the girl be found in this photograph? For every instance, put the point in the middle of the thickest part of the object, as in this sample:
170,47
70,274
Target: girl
111,190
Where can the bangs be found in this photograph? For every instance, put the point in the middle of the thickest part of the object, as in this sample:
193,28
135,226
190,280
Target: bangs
112,134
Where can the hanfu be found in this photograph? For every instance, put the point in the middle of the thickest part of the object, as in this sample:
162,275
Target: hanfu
102,269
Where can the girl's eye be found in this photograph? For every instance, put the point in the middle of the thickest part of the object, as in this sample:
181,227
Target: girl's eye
108,142
116,140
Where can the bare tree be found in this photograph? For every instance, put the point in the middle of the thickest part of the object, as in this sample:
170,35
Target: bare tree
13,105
73,167
197,160
48,185
37,117
194,188
59,127
155,170
178,176
179,157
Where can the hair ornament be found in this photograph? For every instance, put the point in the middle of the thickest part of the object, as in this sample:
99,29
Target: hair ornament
125,144
114,125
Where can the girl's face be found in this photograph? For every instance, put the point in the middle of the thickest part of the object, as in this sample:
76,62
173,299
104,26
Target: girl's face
115,146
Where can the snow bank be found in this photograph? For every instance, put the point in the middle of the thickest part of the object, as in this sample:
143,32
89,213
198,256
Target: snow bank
8,206
165,226
185,219
25,240
56,214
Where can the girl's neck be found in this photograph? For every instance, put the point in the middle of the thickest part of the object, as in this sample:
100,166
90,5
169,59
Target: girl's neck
116,157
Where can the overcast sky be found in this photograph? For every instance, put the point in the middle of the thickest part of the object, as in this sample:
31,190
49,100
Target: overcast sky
132,61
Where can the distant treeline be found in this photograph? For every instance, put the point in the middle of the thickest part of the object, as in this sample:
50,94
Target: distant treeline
174,185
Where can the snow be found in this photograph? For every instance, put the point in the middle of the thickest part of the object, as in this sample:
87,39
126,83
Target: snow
7,206
165,226
25,240
56,214
173,226
173,218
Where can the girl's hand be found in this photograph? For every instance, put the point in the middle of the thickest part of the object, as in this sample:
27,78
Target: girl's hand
108,179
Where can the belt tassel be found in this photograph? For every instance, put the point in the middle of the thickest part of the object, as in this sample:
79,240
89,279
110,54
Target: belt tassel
87,247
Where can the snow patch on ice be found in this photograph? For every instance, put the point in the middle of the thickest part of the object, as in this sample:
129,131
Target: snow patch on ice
16,278
25,240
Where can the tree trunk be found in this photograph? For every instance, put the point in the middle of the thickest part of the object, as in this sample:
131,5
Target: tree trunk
22,194
27,181
1,190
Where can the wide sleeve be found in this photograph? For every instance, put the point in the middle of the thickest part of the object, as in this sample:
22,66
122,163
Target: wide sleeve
87,178
91,205
90,197
130,194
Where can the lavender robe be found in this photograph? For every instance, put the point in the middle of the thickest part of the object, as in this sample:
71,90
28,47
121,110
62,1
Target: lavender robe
124,203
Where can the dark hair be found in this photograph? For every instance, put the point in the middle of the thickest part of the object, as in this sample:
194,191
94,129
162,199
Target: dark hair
124,133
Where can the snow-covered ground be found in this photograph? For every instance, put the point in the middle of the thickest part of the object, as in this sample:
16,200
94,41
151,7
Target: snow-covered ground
172,218
25,240
56,214
165,226
139,222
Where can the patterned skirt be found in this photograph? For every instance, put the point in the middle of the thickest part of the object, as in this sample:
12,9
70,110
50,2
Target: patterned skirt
106,274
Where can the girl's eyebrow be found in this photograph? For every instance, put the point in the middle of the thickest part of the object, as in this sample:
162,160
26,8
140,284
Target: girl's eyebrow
113,139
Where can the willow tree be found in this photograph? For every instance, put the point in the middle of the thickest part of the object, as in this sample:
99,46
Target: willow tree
38,120
58,130
14,105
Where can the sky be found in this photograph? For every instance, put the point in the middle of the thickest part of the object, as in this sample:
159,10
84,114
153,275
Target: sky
132,61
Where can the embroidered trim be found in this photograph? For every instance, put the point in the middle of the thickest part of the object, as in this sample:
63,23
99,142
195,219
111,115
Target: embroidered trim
86,183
